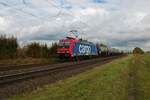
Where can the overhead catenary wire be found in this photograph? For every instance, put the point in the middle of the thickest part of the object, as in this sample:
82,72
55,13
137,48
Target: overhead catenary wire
37,17
17,9
60,12
5,4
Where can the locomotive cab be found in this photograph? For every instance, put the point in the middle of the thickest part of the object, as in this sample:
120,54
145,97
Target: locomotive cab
65,46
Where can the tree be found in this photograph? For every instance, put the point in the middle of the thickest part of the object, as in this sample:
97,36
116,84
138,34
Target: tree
138,50
35,50
53,49
8,47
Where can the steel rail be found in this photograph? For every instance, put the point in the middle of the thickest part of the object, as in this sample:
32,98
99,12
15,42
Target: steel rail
10,78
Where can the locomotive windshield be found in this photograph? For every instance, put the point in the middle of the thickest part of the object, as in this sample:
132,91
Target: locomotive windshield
64,44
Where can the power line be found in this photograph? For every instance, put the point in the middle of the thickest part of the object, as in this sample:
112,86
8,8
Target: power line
60,12
51,5
17,9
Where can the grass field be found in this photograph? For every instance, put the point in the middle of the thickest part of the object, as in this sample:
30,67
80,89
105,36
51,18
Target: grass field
20,61
108,82
142,77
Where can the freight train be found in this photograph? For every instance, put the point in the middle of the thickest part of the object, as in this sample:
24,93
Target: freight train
71,47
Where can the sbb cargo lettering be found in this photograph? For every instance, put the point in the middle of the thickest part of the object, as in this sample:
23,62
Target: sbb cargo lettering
84,49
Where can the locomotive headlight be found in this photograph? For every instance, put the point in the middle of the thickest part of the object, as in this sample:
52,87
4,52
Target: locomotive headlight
67,51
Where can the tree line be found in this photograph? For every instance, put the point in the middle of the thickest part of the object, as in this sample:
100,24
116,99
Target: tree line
10,49
138,50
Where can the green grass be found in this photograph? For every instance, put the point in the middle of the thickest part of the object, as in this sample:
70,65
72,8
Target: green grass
142,77
108,82
19,61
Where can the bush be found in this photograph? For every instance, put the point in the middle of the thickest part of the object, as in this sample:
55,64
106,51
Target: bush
35,50
148,52
21,53
138,50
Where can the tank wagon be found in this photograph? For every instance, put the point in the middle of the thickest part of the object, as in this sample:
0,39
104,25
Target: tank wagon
103,50
71,47
114,51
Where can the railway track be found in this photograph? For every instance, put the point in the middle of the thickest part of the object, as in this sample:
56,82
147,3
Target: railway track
23,74
4,67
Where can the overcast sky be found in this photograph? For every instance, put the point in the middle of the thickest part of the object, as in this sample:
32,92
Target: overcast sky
118,23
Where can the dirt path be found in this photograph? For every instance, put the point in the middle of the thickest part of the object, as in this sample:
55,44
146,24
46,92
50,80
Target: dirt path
131,84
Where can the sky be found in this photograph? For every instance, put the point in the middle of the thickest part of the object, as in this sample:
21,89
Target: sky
123,24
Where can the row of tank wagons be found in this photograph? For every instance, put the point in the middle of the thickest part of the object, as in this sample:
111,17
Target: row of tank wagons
71,47
104,50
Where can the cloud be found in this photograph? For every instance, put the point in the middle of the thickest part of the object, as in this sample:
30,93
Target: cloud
122,24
